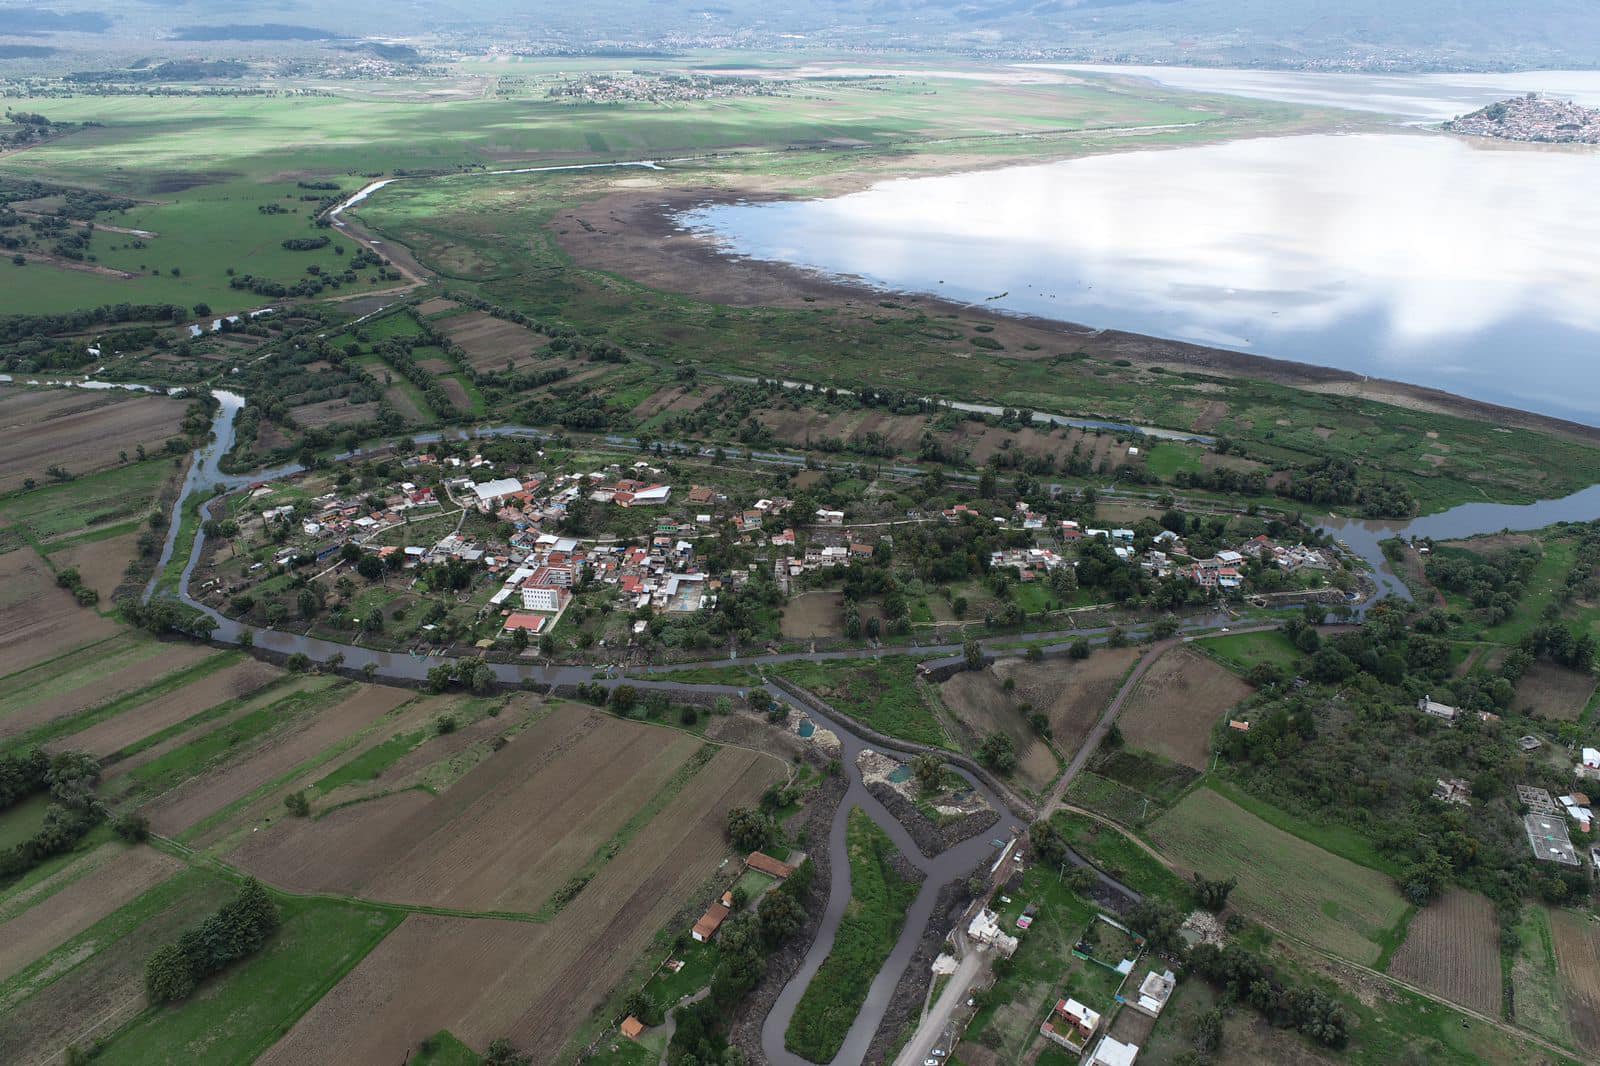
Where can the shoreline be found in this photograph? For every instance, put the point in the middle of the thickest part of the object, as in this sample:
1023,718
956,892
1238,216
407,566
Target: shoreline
635,233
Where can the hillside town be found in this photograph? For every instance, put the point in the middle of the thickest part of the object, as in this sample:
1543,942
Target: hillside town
1532,117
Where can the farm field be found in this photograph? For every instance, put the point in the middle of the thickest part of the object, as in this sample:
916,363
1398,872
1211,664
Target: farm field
980,706
336,412
167,709
1554,692
50,693
504,838
101,558
1452,949
1177,703
38,620
492,344
237,775
1073,694
1331,902
1577,944
60,514
78,430
536,983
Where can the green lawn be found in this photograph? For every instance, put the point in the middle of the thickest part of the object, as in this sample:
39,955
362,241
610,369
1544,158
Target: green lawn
867,933
238,1014
1240,652
443,1049
1116,854
879,693
373,761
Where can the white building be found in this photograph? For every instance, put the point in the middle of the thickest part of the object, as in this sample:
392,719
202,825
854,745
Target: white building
1154,991
540,598
490,493
1112,1052
985,929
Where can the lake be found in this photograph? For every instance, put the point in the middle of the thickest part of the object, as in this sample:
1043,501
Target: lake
1463,265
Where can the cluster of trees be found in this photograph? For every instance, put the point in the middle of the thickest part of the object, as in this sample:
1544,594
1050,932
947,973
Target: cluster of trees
744,944
1248,978
169,616
24,327
69,777
236,930
1494,584
475,675
69,579
1335,482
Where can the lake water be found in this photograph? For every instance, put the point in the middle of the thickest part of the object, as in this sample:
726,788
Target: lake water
1462,265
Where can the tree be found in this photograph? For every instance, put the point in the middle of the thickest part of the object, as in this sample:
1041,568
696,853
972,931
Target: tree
997,752
1080,649
750,829
972,655
624,698
297,804
928,768
167,976
1213,895
502,1052
298,663
780,916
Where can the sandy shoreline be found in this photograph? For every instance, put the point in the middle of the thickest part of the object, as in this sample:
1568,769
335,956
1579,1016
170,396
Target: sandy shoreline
634,233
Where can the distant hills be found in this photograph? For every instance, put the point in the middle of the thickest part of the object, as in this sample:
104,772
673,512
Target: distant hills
1329,34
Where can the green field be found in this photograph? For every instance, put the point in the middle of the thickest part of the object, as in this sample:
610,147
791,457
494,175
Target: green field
881,694
1240,652
867,933
238,1014
1293,885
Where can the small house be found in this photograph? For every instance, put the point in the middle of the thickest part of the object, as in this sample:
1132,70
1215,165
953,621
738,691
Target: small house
764,863
1113,1052
632,1027
706,928
1071,1024
1443,711
1154,991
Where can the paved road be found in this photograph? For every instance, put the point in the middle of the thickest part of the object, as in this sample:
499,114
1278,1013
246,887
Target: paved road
935,1027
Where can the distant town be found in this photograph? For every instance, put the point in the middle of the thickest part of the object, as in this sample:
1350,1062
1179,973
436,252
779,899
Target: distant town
1532,118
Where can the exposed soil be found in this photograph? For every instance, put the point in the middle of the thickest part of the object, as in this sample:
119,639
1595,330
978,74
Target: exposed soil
192,801
39,621
136,723
1553,692
134,674
80,904
101,563
1578,958
336,412
1452,949
813,614
533,983
981,706
79,430
931,838
491,343
1176,704
504,838
1072,693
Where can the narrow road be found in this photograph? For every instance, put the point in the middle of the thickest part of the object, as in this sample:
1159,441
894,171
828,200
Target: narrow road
935,1026
1092,742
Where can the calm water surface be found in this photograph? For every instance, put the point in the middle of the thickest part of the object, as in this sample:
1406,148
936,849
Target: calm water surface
1457,264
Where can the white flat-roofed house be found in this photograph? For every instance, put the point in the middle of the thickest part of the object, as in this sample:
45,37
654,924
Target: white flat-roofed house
490,493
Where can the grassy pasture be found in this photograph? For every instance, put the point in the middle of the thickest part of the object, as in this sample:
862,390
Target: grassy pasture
880,693
1296,886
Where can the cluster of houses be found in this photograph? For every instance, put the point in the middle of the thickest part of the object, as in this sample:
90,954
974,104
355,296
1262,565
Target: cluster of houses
1075,1026
333,520
1225,570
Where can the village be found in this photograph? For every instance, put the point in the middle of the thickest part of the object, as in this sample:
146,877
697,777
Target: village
459,549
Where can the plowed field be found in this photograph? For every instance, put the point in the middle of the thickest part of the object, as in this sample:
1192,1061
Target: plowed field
39,621
77,429
1453,950
485,978
1176,704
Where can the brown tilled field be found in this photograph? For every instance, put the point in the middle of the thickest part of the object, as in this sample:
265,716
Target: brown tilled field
101,563
280,753
136,723
39,621
813,614
1578,959
59,690
456,392
1072,693
80,430
437,305
491,343
504,838
99,995
1554,692
675,400
533,983
1453,950
1176,704
981,706
117,875
336,412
